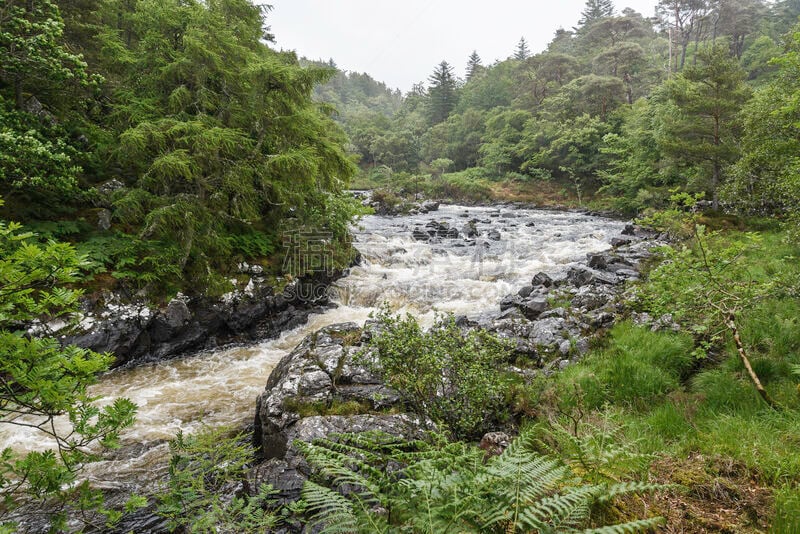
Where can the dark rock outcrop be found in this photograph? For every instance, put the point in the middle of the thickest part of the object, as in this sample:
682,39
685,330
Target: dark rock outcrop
138,333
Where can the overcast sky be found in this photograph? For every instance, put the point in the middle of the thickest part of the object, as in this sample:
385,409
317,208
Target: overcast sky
400,42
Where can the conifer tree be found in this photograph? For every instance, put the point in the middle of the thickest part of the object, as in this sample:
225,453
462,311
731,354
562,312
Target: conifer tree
708,97
473,65
595,10
523,52
441,93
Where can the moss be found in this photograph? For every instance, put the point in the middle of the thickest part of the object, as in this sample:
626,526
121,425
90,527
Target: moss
305,408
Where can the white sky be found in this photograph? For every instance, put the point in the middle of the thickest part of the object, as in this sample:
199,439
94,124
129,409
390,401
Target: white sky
400,42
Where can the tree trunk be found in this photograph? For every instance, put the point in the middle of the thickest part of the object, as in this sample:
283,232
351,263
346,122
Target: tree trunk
731,323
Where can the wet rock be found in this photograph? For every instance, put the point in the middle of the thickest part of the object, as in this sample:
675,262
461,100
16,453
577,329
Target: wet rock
542,280
581,276
525,292
533,308
511,301
288,472
620,241
470,230
420,235
547,332
630,229
428,206
597,261
555,312
104,219
321,369
109,187
592,297
137,333
627,273
494,235
495,443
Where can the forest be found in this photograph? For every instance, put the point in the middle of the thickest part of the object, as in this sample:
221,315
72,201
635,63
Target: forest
150,148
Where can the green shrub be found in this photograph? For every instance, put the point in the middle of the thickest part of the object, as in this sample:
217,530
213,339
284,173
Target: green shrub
203,470
444,374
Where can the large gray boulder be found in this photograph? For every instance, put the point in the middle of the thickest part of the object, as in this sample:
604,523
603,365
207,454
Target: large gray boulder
325,368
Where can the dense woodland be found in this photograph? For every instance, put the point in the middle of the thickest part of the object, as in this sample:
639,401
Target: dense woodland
149,146
605,110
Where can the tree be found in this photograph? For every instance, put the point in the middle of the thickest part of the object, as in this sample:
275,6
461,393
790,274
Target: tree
592,94
622,60
522,52
704,129
219,134
34,57
738,19
473,65
441,93
42,382
595,10
684,20
765,179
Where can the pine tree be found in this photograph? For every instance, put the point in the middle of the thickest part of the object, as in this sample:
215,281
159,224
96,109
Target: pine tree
594,11
441,93
523,52
473,65
707,97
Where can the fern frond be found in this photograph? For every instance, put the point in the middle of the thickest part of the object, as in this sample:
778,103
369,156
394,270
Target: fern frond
343,469
331,512
559,511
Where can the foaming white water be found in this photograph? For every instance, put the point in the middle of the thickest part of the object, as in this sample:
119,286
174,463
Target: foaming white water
457,275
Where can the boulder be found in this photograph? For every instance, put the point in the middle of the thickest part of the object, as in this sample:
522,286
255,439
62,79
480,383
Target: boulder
288,472
580,276
323,369
597,261
533,308
542,280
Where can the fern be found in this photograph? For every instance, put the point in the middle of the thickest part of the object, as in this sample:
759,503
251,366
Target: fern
330,512
377,483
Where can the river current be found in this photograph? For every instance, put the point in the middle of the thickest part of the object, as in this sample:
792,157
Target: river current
465,276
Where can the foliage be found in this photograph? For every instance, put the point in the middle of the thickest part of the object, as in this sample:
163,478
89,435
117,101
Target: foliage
45,386
443,374
450,488
34,56
699,285
623,375
702,127
204,468
765,179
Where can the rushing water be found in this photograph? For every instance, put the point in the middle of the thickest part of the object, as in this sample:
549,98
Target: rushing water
466,277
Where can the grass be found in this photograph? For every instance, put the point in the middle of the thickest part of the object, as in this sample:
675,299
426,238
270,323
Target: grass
737,459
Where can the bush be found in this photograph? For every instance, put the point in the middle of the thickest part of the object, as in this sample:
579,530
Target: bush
204,470
443,374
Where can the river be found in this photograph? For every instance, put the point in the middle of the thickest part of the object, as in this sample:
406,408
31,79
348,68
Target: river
458,275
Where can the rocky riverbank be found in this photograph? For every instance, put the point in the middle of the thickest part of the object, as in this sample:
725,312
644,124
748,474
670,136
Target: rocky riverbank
136,332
